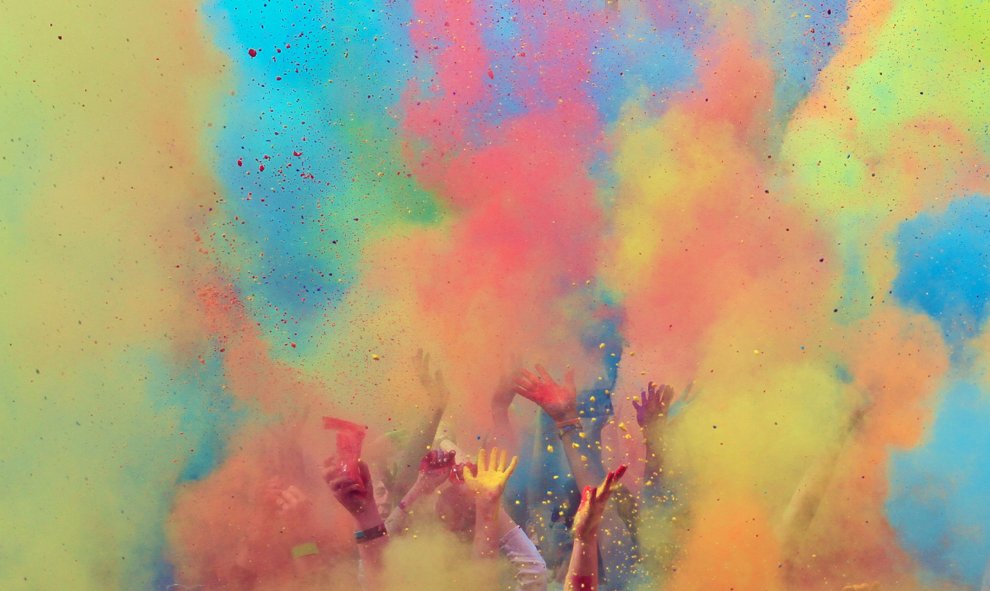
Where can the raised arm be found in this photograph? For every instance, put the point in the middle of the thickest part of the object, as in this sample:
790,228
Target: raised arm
503,435
651,415
582,573
425,433
487,482
434,470
559,401
356,495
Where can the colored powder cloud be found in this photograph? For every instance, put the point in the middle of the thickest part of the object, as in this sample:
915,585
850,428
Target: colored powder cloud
222,221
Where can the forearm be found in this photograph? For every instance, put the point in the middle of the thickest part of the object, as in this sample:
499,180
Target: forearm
577,449
396,520
486,534
417,445
582,573
491,523
502,433
615,543
654,463
371,552
395,523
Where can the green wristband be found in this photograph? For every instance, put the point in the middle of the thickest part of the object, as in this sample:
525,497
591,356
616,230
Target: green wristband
307,549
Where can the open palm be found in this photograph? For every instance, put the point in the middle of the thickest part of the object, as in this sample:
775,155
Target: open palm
493,472
593,500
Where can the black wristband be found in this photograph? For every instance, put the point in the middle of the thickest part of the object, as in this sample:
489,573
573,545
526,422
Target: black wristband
371,533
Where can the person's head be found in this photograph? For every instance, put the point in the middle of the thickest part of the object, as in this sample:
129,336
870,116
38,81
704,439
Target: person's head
455,509
382,478
384,471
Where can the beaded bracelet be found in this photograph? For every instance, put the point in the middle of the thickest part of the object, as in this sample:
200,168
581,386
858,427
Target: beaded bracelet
567,426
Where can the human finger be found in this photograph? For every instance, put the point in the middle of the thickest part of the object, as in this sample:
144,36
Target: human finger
512,467
544,374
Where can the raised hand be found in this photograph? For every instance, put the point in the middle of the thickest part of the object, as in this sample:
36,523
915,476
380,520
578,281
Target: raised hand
593,501
653,404
559,401
355,495
432,382
434,470
287,500
487,481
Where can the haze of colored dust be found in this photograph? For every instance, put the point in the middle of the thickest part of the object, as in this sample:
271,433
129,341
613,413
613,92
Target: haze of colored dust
222,221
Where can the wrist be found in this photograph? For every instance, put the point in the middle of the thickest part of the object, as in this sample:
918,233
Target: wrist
486,509
500,413
569,428
418,489
583,582
370,534
649,424
368,519
564,415
411,498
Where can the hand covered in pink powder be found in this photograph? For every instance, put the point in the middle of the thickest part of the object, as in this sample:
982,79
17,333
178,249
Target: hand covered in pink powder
434,470
355,495
559,401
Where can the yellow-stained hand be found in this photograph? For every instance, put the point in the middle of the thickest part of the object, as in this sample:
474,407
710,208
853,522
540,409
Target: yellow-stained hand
488,480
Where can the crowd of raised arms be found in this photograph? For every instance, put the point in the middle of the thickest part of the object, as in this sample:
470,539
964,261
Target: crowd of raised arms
593,537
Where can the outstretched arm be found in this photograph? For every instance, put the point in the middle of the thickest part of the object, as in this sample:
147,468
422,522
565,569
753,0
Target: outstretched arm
487,482
356,495
651,415
434,470
425,433
559,401
582,573
503,435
